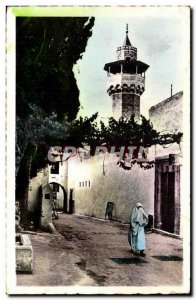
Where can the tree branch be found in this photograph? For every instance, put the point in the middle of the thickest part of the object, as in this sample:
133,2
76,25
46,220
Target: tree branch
41,46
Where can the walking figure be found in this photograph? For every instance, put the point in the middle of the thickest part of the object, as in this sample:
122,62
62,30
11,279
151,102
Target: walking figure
54,210
136,236
109,210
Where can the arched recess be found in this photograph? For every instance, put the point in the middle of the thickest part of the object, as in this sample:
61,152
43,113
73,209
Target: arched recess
46,207
47,198
57,188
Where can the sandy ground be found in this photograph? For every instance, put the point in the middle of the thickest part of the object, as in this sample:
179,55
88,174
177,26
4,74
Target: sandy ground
88,251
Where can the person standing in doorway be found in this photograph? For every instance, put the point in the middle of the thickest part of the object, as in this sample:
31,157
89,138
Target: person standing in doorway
139,219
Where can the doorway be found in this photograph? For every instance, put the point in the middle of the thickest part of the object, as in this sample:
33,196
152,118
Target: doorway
51,193
71,202
59,194
167,201
167,195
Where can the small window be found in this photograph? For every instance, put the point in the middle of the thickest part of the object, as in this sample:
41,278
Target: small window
47,196
85,183
54,168
82,183
89,183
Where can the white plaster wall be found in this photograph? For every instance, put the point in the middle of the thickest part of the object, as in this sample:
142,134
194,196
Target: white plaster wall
60,199
167,116
60,178
124,188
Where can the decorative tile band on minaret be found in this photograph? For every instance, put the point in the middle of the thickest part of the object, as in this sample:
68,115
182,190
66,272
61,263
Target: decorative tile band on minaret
126,80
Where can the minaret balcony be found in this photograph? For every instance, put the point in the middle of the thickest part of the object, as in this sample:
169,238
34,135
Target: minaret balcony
123,82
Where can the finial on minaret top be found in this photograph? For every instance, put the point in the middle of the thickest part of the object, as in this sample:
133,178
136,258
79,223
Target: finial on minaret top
127,41
126,51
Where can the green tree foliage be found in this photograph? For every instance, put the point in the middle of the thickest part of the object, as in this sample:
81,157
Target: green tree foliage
47,96
46,50
129,132
118,133
84,131
122,132
41,130
46,90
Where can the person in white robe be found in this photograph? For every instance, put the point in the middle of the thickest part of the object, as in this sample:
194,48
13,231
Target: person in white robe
139,219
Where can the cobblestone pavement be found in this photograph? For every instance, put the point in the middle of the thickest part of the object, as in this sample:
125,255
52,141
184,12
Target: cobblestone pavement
89,251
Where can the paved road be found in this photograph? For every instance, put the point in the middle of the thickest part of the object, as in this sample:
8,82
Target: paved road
88,251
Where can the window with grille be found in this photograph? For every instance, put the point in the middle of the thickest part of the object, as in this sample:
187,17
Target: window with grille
54,168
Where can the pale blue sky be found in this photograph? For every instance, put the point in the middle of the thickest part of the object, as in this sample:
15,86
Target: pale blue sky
162,42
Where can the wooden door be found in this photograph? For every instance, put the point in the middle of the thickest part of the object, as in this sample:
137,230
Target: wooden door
167,201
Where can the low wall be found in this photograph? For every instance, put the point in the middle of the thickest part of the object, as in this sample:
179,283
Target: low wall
24,254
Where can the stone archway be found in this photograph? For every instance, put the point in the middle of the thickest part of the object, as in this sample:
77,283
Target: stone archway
60,194
47,205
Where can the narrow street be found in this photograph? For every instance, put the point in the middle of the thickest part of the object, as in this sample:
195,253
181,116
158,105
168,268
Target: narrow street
88,251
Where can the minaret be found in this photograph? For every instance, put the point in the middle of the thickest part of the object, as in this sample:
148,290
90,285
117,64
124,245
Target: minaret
126,80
